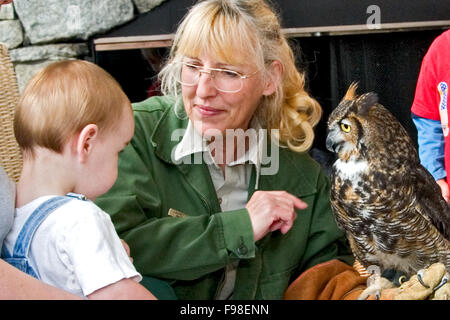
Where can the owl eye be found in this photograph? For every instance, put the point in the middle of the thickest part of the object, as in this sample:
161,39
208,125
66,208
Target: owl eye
346,127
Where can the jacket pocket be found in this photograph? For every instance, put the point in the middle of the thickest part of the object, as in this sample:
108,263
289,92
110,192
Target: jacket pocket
274,286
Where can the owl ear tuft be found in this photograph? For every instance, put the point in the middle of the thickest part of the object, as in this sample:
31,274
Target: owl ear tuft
366,101
351,91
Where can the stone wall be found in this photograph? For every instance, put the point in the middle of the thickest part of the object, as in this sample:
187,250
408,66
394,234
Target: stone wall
39,32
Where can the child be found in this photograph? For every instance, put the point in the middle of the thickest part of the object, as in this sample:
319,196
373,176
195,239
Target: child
430,111
71,122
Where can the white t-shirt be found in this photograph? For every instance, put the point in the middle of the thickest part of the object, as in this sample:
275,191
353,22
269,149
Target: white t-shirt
76,248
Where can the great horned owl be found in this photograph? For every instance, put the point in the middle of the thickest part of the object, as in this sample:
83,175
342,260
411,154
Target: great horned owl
387,203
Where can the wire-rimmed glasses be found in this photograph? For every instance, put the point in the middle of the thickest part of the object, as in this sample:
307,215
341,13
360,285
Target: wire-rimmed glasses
223,79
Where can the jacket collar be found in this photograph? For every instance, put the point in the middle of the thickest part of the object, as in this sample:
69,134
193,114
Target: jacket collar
193,144
167,134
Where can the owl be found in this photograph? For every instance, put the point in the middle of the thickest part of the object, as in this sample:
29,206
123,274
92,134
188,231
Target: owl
388,204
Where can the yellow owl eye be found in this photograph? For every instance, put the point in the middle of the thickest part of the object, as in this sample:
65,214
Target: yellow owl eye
346,127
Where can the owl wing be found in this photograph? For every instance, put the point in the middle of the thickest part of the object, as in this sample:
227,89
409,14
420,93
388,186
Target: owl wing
430,202
347,219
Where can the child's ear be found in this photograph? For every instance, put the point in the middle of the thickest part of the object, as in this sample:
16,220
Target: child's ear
86,140
275,73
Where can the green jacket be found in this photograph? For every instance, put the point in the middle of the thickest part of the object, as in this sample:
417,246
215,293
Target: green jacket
191,248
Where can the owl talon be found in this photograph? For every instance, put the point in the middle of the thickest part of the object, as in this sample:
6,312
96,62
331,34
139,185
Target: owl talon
420,275
375,284
443,282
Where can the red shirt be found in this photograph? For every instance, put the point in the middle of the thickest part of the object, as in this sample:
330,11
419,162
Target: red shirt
435,69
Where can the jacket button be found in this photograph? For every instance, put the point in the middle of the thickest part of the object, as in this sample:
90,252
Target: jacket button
242,250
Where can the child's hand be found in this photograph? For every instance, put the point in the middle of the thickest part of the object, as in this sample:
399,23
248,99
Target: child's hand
444,189
125,246
5,2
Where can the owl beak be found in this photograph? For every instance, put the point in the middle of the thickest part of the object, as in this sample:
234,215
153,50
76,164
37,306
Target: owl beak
331,145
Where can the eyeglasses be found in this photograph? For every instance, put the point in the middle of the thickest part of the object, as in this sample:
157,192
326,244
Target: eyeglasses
223,80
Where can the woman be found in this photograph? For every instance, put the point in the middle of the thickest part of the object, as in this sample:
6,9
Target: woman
199,198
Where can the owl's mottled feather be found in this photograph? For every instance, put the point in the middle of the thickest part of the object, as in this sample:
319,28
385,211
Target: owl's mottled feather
387,203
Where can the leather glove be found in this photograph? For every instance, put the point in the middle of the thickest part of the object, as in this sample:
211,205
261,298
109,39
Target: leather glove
433,285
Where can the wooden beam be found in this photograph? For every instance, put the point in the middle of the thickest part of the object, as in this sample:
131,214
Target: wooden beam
165,40
133,45
363,28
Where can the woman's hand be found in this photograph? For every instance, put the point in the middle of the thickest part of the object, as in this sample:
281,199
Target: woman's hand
272,210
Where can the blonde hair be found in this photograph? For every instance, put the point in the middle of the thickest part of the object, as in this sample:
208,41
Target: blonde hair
252,29
61,99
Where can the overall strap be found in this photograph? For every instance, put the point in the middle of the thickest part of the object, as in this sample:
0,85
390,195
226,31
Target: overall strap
5,253
22,245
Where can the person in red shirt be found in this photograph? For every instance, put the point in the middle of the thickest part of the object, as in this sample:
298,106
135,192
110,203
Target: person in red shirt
430,111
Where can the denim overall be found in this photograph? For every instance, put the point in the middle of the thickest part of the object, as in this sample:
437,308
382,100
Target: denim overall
19,257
